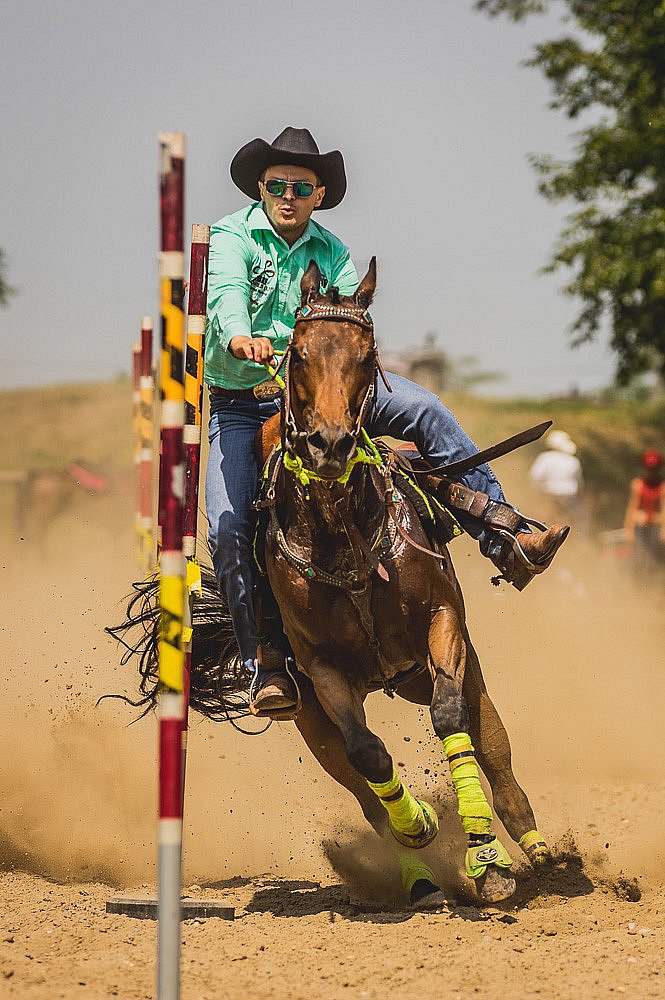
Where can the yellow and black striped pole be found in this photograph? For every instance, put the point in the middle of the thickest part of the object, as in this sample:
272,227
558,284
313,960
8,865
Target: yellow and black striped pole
171,564
196,321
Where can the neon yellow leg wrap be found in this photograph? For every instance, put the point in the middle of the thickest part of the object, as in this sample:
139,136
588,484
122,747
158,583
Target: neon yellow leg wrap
534,846
413,870
412,822
473,808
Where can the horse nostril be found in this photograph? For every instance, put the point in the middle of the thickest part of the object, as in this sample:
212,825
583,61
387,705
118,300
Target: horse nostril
317,441
344,447
329,448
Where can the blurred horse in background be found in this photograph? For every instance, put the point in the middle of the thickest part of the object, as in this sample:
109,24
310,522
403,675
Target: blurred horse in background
41,495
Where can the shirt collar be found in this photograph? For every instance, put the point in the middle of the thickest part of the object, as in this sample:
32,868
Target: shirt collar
257,219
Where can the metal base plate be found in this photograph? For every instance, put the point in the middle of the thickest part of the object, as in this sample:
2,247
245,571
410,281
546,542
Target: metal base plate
146,909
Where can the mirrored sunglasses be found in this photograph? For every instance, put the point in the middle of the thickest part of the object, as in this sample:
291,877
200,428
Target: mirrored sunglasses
301,189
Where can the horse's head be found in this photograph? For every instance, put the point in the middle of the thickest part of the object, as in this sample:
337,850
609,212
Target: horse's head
331,369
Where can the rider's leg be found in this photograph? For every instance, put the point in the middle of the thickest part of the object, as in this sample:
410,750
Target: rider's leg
231,483
415,414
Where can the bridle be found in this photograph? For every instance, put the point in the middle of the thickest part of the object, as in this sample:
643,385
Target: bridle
313,313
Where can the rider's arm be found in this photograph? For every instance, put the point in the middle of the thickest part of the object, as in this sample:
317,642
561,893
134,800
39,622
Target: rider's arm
344,274
228,284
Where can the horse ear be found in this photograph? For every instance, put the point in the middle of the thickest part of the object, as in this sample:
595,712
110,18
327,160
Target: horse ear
365,291
310,284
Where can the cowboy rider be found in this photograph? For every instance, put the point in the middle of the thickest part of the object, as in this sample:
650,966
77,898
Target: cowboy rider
257,259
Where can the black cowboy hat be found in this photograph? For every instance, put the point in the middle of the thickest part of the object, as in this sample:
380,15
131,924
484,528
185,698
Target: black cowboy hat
293,146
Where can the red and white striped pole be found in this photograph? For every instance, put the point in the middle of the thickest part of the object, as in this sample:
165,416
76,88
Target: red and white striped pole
196,321
172,597
136,409
147,396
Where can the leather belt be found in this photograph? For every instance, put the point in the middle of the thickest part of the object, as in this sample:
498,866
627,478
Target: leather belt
218,392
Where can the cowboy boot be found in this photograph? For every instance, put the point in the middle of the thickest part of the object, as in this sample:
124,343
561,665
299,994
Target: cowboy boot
527,554
273,693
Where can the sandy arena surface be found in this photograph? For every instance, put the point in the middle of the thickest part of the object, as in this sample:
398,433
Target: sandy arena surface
575,666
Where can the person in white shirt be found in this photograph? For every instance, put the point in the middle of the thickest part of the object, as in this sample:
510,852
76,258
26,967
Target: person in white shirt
557,473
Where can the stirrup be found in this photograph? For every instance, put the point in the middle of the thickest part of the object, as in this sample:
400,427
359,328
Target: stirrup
289,712
524,570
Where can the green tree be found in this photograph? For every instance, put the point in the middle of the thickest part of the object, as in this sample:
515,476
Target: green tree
5,289
612,66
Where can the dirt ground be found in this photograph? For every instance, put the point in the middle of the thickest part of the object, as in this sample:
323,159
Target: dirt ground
575,666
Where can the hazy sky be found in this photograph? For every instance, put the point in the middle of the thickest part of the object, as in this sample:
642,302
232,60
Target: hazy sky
425,98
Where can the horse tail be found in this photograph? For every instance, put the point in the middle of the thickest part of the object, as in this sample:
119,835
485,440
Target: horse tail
219,681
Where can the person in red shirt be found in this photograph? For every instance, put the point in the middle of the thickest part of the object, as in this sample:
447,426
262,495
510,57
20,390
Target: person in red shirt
644,521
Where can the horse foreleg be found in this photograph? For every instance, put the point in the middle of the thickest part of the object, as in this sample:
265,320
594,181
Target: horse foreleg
325,742
487,861
493,752
412,822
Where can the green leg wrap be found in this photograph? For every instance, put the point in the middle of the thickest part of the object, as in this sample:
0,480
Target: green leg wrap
413,870
412,822
473,808
534,846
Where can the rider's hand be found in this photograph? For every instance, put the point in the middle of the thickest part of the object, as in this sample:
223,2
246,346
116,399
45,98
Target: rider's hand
257,349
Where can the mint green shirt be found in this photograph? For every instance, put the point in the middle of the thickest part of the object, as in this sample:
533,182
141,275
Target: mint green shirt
254,287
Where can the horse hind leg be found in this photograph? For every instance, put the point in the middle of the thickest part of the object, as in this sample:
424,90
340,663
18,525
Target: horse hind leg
487,861
493,753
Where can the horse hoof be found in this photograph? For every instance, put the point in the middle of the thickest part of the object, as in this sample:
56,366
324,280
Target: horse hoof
426,896
538,856
495,885
426,835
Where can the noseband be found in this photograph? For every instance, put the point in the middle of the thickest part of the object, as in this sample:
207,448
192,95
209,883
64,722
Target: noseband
316,312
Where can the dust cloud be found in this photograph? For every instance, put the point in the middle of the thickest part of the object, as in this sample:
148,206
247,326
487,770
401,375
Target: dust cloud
574,665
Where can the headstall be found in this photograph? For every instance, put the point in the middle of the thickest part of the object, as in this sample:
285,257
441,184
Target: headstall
311,313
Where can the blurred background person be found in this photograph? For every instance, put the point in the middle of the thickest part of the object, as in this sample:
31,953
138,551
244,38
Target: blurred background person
644,523
557,474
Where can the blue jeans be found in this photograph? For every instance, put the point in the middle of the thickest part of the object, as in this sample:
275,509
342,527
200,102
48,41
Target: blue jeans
410,413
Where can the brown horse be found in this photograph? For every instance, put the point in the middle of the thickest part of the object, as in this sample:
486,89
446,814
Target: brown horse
365,607
365,603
